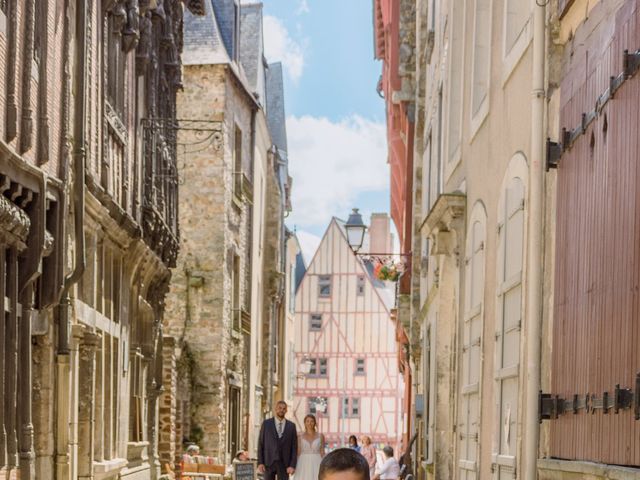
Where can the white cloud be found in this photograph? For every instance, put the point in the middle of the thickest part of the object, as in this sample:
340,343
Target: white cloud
303,7
308,244
279,46
332,163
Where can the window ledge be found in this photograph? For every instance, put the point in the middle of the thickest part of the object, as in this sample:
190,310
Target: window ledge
477,119
107,466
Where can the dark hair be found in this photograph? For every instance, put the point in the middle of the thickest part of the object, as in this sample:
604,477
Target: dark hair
281,402
388,451
355,440
309,415
344,460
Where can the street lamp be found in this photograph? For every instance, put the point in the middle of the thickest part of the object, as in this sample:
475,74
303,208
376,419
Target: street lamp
392,269
355,228
304,368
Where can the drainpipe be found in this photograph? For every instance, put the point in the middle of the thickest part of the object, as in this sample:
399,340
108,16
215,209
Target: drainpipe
536,238
66,436
79,157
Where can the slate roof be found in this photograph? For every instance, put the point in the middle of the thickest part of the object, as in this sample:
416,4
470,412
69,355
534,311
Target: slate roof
225,14
275,107
202,41
252,47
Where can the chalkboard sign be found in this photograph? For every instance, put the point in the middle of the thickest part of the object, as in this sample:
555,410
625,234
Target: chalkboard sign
244,470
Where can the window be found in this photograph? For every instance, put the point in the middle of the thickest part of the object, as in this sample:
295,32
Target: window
324,286
292,288
350,407
360,366
426,178
509,325
360,286
39,31
106,398
481,54
517,13
315,322
138,372
317,405
236,312
233,439
115,64
318,367
471,362
455,78
237,163
440,179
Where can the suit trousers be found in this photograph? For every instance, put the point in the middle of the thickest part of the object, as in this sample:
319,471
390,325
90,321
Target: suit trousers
276,469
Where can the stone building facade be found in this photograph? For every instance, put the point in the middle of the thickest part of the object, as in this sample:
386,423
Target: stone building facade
89,231
227,296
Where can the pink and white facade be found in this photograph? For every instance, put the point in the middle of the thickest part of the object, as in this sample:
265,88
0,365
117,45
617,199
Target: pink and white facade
346,349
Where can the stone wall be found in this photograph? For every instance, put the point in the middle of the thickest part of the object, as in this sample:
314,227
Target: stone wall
213,229
168,443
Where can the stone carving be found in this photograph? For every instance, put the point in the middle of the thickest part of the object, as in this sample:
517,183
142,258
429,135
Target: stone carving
143,49
14,223
131,33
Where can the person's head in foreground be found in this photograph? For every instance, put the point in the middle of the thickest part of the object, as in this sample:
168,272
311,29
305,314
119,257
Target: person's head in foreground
310,424
388,451
353,441
280,410
344,464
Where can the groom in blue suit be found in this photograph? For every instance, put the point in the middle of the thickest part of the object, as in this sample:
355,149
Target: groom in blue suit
278,445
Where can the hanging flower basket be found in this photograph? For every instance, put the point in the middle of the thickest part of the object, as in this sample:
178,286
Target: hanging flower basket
388,271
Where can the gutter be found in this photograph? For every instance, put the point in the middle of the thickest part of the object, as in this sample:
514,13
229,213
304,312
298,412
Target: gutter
79,159
535,240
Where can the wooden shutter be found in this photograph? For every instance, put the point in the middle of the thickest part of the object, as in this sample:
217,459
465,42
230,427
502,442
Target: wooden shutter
508,329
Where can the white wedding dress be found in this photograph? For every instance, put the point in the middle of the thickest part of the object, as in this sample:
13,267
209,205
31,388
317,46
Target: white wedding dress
309,459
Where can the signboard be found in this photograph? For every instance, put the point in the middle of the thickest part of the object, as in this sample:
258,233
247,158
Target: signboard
244,470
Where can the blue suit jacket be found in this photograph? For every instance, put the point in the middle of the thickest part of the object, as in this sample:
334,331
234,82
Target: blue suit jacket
272,449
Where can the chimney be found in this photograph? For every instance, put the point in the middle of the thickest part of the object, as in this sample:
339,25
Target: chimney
380,239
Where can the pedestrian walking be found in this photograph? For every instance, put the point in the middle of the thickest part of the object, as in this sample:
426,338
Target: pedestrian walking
390,469
368,451
278,445
353,443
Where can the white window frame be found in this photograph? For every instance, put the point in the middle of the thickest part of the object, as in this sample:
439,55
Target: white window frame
511,54
458,15
478,117
329,284
312,328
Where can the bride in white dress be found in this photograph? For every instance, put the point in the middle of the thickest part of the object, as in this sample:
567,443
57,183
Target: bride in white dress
310,450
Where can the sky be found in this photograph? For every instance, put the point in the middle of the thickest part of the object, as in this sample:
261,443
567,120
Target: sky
335,119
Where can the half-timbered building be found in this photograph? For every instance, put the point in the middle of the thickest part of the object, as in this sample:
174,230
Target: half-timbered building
346,346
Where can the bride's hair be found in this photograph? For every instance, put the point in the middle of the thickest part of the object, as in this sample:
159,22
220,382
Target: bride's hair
315,422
